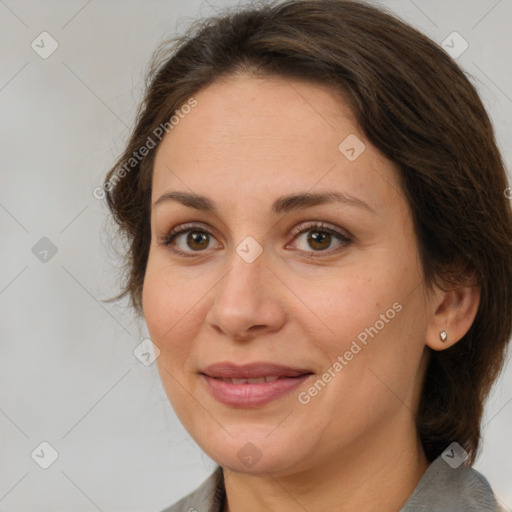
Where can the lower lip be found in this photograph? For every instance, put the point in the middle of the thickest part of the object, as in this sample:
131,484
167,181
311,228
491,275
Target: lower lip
252,395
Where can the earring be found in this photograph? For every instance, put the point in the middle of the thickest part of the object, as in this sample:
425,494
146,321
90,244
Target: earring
443,335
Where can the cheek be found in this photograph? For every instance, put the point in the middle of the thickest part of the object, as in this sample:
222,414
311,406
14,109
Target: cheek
167,291
343,304
373,315
372,338
169,303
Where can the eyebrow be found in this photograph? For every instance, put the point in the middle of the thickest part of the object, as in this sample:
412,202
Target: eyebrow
283,204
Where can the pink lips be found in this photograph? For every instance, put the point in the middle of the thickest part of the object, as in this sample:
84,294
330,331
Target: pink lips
277,380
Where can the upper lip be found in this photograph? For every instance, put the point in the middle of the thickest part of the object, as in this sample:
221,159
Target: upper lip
252,370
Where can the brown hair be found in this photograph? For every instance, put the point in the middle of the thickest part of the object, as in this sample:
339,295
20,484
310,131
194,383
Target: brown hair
418,108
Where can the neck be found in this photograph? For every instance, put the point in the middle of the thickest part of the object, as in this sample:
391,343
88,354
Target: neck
379,472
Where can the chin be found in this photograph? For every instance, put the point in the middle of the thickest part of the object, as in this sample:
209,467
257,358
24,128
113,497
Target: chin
256,454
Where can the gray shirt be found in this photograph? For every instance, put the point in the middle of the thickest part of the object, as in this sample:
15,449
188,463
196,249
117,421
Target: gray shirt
441,489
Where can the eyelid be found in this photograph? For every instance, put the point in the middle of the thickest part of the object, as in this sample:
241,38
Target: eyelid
189,226
320,225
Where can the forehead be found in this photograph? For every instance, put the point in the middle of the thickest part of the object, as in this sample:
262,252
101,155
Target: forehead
259,134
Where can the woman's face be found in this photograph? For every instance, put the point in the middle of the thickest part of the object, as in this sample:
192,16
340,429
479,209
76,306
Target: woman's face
327,284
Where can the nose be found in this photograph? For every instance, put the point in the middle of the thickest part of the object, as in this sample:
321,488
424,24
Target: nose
248,301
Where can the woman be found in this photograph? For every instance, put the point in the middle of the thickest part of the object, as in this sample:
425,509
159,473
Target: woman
320,246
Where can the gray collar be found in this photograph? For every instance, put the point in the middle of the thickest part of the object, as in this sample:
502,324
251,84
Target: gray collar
450,489
441,489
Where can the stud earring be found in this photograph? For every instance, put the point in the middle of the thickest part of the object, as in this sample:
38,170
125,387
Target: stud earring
443,335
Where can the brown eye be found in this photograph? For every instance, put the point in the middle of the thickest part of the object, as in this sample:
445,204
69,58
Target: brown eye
319,240
197,240
188,240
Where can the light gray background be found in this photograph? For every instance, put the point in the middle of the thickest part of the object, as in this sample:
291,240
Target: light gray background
67,372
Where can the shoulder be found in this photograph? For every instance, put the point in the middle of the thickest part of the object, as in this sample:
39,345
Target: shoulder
208,497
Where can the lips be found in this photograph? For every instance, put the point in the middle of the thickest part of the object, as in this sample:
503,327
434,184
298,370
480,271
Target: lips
252,385
252,371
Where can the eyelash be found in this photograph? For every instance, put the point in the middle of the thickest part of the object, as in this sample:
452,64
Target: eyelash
316,226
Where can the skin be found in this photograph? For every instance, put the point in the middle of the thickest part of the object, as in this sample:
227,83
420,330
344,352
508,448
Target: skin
354,445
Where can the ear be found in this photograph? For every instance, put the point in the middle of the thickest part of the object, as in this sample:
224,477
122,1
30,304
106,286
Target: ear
455,312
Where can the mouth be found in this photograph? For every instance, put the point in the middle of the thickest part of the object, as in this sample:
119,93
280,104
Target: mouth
252,385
